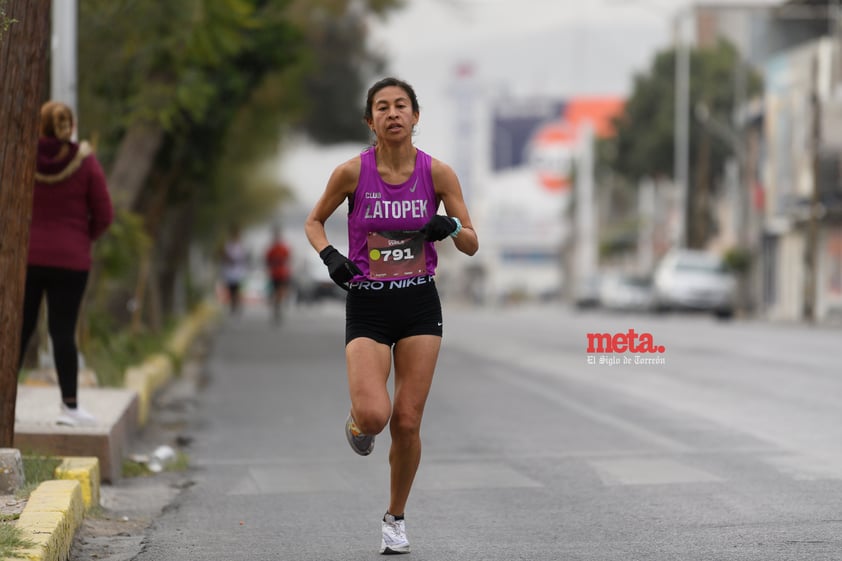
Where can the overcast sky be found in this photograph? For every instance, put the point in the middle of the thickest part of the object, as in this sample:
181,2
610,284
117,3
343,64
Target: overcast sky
456,22
553,47
560,48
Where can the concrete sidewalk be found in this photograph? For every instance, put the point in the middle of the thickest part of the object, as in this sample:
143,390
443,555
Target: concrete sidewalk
116,411
91,455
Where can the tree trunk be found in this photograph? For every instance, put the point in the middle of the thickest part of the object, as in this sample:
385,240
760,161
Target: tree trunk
134,182
134,162
700,209
23,63
175,248
152,205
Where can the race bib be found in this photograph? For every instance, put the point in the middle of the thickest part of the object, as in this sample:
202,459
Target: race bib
396,255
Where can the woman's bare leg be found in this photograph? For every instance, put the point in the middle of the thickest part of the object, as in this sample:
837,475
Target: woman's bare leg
369,363
415,363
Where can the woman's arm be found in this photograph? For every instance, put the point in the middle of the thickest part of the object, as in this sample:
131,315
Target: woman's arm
342,184
450,192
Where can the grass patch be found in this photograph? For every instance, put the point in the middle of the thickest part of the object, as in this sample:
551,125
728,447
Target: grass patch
97,512
12,541
110,353
132,468
181,463
36,470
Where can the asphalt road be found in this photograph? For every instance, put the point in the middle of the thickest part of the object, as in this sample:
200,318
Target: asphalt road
728,447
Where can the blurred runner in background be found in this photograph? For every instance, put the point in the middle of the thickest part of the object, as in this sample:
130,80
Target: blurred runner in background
277,266
234,259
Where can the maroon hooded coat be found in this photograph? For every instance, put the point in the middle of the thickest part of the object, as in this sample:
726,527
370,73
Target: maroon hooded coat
71,206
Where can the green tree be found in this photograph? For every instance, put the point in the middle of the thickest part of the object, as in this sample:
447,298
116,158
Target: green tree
335,76
644,144
188,103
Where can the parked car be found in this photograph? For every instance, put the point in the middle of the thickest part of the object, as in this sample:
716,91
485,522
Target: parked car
628,293
694,280
586,292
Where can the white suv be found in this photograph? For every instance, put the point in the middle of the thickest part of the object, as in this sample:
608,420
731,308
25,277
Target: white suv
688,279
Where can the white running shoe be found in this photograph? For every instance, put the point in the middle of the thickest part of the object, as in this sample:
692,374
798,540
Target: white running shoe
361,443
394,536
75,417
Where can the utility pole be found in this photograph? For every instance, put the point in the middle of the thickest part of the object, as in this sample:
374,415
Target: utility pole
745,237
812,233
740,97
464,95
63,74
464,92
699,231
646,205
681,120
681,141
586,230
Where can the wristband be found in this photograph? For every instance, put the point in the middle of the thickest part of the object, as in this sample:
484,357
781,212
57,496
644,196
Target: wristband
458,229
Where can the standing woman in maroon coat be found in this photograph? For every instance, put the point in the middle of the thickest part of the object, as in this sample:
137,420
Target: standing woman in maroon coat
71,208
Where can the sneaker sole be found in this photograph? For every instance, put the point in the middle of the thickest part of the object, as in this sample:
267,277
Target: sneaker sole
70,422
354,448
389,551
350,438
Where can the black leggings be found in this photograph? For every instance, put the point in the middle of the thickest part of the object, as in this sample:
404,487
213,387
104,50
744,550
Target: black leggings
64,289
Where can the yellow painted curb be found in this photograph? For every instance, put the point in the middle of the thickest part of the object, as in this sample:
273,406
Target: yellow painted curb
85,470
52,515
157,370
146,379
186,333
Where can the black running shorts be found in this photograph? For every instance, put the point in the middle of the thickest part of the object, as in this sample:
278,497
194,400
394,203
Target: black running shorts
388,311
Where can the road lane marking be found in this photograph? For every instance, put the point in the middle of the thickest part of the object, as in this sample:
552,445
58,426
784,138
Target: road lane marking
436,476
804,467
452,476
647,471
613,421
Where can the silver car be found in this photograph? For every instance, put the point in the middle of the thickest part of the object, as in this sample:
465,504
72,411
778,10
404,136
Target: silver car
624,292
688,279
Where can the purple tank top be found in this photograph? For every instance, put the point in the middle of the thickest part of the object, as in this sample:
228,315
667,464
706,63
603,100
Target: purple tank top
384,219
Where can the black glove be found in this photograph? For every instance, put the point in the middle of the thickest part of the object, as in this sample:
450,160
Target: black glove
438,228
341,269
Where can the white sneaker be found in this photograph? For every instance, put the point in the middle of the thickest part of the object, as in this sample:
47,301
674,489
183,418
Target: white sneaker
75,417
394,536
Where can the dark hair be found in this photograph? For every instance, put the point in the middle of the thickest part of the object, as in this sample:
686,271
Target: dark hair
385,83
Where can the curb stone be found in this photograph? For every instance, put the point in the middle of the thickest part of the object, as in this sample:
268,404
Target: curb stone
85,470
52,515
146,379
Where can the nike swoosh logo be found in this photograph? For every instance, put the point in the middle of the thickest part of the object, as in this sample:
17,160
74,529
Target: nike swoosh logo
414,185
